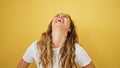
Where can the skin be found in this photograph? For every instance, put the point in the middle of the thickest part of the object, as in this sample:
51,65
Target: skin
23,64
60,28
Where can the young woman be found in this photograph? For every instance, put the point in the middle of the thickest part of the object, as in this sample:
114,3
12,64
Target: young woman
58,47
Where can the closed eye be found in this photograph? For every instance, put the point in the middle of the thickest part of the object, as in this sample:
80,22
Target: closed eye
57,15
65,16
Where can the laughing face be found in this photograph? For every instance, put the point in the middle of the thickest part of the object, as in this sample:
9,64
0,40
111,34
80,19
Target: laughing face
61,22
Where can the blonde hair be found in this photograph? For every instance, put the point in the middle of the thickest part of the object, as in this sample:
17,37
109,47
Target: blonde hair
67,52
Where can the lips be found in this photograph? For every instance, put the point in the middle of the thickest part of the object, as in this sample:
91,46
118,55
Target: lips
59,20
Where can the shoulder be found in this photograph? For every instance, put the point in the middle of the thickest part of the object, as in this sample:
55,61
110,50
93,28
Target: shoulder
82,58
33,44
78,47
32,47
30,52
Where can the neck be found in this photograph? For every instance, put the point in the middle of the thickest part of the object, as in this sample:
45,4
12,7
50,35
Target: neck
58,37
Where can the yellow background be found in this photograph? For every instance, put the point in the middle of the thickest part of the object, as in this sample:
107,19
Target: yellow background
97,22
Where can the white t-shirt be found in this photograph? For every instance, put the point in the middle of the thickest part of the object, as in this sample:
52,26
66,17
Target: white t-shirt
31,55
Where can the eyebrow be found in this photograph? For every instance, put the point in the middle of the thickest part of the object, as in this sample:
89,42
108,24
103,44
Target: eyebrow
63,15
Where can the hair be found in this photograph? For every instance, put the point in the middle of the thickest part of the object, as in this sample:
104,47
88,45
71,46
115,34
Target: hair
67,52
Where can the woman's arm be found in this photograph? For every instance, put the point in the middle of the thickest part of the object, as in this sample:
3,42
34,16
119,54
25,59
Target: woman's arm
23,64
90,65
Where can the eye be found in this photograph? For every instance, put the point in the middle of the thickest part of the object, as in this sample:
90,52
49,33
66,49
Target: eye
65,16
57,15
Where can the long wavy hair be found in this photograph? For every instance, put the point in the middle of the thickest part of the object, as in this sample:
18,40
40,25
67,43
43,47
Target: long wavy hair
67,52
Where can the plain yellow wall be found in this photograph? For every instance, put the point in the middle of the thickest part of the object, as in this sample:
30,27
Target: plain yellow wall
97,22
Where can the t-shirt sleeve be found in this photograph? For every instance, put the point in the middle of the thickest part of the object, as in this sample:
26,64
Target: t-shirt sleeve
82,58
28,56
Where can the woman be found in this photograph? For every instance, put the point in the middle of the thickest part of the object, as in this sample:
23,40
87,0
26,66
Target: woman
58,47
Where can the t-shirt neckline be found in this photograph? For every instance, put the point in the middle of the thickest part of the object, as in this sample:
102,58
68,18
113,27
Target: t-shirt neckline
57,48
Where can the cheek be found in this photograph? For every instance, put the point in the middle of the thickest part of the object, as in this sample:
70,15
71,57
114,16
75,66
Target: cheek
67,23
53,20
52,24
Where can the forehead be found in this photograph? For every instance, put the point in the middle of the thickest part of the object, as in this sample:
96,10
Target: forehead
62,14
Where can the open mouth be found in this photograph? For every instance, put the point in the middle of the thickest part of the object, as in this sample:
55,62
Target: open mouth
59,20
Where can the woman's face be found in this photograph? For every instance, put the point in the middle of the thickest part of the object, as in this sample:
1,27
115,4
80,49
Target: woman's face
61,22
